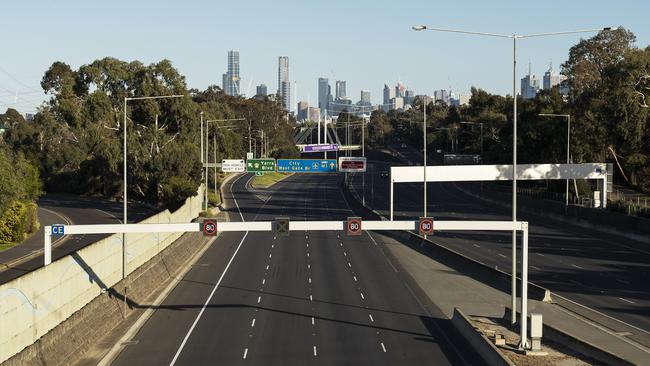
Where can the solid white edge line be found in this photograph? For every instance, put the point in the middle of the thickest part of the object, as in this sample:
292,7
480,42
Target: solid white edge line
198,317
110,356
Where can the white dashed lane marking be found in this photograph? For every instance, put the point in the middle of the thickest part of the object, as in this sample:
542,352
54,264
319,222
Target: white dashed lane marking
628,301
383,347
245,353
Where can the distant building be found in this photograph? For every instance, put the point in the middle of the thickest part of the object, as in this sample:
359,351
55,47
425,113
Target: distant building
365,97
29,116
389,94
262,90
340,89
324,94
552,79
314,114
460,100
303,111
284,85
441,96
409,96
529,85
397,103
399,90
339,105
231,78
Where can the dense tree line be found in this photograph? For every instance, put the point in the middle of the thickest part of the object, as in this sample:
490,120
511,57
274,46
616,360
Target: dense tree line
608,82
20,186
76,139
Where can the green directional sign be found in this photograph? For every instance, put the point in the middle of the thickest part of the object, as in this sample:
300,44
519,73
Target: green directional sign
260,165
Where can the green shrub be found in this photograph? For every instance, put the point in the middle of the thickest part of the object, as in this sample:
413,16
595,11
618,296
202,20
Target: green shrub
213,199
13,222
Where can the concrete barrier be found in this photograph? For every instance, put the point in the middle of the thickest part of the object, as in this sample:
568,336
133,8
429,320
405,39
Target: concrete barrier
634,228
34,304
481,345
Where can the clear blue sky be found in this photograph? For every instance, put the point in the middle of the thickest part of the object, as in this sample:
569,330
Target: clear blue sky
365,43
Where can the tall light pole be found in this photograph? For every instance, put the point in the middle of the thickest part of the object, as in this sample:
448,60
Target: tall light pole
125,218
514,37
207,144
568,147
424,181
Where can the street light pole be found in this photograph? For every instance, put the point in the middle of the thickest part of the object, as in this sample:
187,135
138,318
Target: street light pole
424,181
514,37
568,148
207,149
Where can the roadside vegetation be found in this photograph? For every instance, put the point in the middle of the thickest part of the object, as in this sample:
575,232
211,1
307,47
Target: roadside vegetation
267,179
20,186
76,138
608,81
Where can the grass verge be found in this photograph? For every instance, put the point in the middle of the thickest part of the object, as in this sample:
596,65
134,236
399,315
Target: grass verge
267,180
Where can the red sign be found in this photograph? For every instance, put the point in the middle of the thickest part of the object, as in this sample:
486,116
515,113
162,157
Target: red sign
210,227
354,226
349,164
426,226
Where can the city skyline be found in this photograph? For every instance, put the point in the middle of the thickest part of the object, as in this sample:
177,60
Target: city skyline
429,61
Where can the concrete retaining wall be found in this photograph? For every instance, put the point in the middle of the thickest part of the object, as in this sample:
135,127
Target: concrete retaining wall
635,228
488,351
33,304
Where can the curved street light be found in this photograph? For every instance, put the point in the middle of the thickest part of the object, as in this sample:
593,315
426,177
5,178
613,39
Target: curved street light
524,340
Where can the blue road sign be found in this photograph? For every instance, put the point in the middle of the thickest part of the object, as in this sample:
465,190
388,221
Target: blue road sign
58,229
306,165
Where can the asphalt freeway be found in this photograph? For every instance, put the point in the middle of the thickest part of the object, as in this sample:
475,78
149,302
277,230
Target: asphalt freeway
310,298
64,209
608,275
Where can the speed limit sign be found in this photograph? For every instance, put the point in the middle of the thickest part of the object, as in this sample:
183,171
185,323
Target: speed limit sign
354,226
426,226
210,227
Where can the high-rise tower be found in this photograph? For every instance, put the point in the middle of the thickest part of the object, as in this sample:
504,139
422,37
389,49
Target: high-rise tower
284,85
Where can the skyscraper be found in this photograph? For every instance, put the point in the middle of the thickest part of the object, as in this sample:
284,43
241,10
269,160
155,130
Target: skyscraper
365,97
552,78
323,95
231,78
529,85
389,93
284,85
399,90
340,89
441,96
303,111
262,90
409,96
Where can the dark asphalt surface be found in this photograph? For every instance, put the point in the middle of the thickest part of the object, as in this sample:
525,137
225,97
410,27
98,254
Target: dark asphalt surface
606,273
319,298
64,209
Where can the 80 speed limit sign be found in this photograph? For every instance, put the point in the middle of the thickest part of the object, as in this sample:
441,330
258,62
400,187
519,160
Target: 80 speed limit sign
354,226
210,227
426,226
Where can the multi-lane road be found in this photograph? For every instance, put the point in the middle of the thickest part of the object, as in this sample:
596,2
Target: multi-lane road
312,297
608,274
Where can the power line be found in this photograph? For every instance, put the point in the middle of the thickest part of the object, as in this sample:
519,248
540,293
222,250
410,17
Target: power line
18,81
